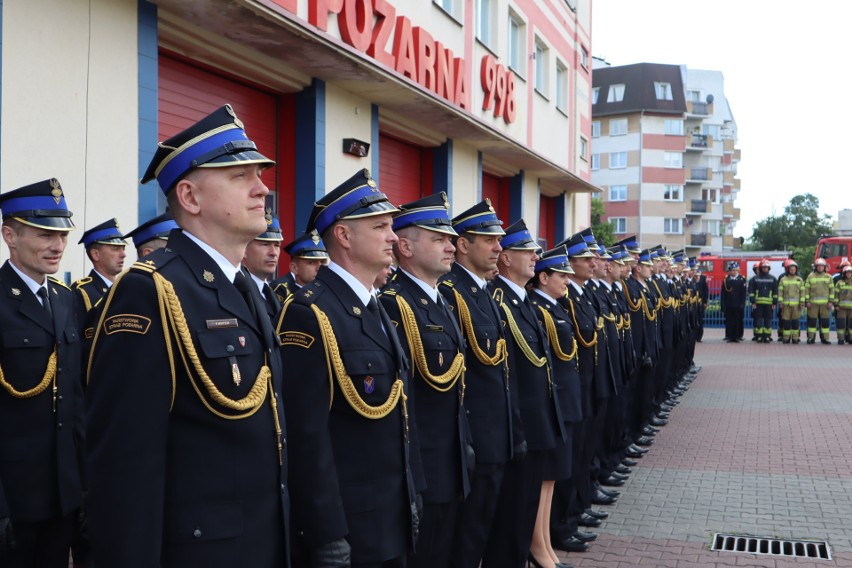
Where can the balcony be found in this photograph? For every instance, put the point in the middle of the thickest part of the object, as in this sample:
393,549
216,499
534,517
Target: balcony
699,239
697,207
728,210
699,175
699,142
700,109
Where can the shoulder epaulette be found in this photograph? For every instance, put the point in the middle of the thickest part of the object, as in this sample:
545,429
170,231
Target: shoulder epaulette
58,282
82,281
449,280
390,289
308,294
153,261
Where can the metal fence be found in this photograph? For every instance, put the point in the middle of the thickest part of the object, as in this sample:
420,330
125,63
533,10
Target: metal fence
713,316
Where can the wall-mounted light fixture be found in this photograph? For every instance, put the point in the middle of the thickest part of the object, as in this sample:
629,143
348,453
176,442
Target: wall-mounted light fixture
356,147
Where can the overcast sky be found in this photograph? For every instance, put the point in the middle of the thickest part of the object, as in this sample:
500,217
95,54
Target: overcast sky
786,67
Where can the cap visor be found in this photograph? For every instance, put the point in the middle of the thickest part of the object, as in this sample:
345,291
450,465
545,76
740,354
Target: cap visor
50,223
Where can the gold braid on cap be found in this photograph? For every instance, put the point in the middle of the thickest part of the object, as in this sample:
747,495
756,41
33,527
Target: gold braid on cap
170,307
344,381
443,382
49,375
500,351
553,338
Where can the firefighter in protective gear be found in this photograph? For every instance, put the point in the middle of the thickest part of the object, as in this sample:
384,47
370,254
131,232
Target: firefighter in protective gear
791,299
843,306
819,299
763,295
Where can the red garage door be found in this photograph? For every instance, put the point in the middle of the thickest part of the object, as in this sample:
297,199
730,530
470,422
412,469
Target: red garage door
497,190
188,93
546,221
405,171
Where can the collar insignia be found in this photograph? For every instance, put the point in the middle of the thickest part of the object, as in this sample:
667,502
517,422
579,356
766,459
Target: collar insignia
16,292
356,310
208,276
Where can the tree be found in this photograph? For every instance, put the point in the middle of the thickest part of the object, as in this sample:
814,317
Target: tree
603,230
799,227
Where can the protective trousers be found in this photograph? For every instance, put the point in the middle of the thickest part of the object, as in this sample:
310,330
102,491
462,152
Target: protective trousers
790,316
819,317
843,320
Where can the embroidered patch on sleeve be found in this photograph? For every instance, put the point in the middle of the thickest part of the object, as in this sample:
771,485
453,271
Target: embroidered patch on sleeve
127,322
297,339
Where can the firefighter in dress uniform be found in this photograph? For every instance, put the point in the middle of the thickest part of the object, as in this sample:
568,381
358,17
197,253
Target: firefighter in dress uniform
153,234
732,302
105,248
186,446
261,261
41,402
354,497
307,254
490,403
433,341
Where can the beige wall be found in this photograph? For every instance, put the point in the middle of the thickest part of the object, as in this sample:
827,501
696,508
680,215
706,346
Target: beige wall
70,108
347,116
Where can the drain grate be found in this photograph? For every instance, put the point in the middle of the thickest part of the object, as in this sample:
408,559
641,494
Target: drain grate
818,549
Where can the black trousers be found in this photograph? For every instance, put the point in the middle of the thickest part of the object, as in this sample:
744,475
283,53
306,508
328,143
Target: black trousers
734,323
42,544
437,529
514,521
476,515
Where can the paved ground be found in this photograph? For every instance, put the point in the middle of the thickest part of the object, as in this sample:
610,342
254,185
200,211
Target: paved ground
759,445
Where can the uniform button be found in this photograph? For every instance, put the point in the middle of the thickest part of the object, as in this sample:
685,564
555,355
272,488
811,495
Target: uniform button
26,340
196,533
283,488
467,412
59,398
439,344
59,425
283,443
369,365
229,348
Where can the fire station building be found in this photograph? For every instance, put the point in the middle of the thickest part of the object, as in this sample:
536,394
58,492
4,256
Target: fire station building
476,98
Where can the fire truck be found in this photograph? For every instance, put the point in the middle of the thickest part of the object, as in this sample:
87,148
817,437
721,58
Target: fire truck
715,266
834,249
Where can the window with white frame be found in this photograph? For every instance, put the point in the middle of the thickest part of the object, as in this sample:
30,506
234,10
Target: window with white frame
516,43
561,86
615,94
618,127
619,225
672,226
584,57
663,90
595,93
713,227
541,66
673,193
584,148
674,127
618,193
617,160
693,96
711,195
673,159
596,129
596,162
711,130
484,19
451,7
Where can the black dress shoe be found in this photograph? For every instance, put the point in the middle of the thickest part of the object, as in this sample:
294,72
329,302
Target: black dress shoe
612,482
629,462
623,469
649,431
588,521
644,441
633,453
600,498
605,491
570,544
655,421
597,514
639,449
621,476
585,536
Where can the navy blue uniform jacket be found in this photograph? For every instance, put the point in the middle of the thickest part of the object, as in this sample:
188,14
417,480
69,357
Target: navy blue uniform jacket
350,475
185,467
41,437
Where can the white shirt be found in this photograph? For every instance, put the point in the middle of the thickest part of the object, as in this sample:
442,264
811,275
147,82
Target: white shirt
576,286
104,278
481,282
545,296
260,283
360,290
519,290
431,292
228,269
31,284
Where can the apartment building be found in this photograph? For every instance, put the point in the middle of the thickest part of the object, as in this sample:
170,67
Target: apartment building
663,150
